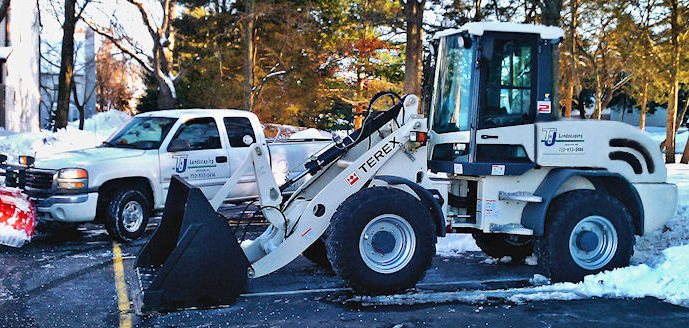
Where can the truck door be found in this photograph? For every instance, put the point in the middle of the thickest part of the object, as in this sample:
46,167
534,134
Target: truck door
195,153
237,128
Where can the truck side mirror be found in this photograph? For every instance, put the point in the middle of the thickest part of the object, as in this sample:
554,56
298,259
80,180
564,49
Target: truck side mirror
178,145
248,140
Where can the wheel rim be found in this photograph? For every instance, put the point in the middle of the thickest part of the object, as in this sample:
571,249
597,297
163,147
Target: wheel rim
132,216
387,243
593,242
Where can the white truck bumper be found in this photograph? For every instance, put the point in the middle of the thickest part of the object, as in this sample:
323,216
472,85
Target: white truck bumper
68,208
660,204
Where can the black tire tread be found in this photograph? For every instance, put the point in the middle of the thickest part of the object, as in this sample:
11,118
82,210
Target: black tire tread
347,263
318,254
112,212
558,215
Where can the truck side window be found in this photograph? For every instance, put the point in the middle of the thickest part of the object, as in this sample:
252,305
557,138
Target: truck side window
509,86
237,128
199,133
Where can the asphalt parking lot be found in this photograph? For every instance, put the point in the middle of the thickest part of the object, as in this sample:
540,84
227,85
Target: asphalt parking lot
70,279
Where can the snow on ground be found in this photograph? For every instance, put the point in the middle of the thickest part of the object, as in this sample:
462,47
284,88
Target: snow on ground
96,130
455,244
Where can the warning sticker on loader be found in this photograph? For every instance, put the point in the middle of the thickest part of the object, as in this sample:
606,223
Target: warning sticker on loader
490,208
562,142
544,106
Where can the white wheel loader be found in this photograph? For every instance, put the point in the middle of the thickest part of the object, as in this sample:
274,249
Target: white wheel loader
492,159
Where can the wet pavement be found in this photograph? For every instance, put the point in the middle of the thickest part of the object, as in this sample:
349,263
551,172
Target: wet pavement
66,279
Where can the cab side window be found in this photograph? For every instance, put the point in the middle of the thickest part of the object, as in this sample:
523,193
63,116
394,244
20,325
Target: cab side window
509,87
199,133
237,128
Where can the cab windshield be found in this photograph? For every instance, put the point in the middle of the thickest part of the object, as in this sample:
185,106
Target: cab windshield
452,98
141,133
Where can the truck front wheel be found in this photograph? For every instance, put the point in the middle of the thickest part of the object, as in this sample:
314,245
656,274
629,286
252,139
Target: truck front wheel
127,215
381,240
586,232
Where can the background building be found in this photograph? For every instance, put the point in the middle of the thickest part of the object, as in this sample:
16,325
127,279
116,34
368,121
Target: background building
19,67
84,76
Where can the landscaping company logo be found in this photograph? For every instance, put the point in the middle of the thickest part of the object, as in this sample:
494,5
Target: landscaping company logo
562,142
550,136
181,164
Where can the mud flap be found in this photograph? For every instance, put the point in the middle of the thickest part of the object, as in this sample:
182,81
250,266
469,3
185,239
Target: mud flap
193,258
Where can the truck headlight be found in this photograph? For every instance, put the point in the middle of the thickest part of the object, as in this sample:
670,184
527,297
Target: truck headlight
72,179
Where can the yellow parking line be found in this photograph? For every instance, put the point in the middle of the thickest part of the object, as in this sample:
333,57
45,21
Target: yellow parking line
121,286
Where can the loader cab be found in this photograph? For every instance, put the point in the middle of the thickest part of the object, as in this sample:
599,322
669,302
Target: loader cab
492,82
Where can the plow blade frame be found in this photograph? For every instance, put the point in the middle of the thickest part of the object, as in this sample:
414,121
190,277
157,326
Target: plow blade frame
192,259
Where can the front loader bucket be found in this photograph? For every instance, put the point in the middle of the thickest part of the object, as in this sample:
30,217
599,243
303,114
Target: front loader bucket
193,258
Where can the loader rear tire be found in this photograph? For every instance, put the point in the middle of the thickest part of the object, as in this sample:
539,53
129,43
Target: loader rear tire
127,214
499,245
317,253
586,232
381,240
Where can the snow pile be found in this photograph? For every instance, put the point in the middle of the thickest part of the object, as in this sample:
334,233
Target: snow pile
676,231
96,130
11,236
455,244
667,280
311,133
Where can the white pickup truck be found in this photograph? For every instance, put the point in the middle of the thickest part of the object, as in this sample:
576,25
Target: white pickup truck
123,181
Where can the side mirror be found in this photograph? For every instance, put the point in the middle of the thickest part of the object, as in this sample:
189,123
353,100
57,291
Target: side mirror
248,140
178,145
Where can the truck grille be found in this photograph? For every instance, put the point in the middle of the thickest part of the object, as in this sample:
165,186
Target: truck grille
39,182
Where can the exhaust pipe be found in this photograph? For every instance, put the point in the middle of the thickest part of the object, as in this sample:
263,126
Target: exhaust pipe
192,259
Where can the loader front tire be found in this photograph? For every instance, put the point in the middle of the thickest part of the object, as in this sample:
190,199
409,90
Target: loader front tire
127,214
586,232
381,240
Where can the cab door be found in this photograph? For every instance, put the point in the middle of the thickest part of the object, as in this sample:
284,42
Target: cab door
196,153
504,135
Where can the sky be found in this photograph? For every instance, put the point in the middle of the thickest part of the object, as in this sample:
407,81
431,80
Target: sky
99,12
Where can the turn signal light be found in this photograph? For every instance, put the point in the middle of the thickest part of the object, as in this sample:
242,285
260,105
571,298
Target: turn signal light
26,160
418,136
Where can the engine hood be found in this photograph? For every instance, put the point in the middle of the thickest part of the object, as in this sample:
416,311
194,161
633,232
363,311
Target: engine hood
85,157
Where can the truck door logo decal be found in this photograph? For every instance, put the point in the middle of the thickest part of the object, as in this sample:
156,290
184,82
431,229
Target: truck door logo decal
352,178
181,164
550,136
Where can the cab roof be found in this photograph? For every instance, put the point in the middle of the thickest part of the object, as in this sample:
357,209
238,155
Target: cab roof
478,28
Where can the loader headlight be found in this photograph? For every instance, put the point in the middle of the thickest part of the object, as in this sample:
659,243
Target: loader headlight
72,179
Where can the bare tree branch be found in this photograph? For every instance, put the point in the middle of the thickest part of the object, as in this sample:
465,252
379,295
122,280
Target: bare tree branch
117,42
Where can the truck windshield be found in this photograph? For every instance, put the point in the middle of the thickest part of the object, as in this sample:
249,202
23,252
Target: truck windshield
451,101
141,133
